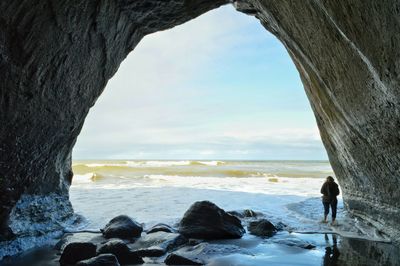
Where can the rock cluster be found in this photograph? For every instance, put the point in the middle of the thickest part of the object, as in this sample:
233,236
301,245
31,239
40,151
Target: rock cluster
121,241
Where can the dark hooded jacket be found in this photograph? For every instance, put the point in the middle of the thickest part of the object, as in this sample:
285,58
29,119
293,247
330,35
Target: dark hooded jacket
329,190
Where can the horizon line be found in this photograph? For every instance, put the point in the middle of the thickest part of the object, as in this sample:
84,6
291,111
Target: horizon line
191,159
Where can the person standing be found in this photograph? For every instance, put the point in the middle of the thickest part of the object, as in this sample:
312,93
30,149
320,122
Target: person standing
329,191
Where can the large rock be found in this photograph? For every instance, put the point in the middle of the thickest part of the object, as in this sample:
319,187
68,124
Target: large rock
123,253
262,228
57,56
101,260
205,220
75,252
122,226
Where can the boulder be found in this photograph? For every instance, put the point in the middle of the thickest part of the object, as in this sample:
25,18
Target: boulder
175,259
262,228
120,249
101,260
122,226
161,227
205,220
95,238
77,251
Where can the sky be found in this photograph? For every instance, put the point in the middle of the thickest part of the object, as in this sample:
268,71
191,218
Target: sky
217,87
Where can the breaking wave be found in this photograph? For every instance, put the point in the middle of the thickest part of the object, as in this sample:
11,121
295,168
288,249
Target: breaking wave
86,171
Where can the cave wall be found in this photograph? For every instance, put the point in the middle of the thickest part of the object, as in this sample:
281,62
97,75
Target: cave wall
347,54
55,60
57,56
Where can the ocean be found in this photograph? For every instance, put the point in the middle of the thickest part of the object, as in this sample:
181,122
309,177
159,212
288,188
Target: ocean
161,191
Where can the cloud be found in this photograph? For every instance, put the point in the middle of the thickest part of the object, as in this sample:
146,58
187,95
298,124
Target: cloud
198,91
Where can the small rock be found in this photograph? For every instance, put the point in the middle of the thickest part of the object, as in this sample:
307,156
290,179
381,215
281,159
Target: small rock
249,213
121,251
101,260
77,251
281,226
122,227
236,214
161,227
262,228
245,214
174,259
205,220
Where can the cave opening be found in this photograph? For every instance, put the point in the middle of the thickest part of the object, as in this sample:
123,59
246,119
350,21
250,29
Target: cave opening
201,112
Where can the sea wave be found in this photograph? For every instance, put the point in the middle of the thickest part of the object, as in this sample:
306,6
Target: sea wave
133,169
86,174
150,163
86,178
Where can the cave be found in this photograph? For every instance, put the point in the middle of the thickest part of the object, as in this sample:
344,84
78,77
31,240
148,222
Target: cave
56,58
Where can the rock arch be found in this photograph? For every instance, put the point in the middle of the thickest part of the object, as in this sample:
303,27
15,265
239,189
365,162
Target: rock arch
57,56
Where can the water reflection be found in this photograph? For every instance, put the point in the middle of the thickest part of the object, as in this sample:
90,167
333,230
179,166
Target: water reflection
332,253
330,250
355,252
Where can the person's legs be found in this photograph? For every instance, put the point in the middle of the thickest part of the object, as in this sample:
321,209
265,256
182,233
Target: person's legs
334,209
326,210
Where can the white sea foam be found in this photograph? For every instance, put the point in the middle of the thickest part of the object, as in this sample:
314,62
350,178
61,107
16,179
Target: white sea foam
85,178
212,163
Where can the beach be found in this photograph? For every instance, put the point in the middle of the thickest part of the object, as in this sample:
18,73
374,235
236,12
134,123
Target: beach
285,192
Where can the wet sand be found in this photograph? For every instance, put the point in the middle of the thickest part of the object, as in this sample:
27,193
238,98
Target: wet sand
330,250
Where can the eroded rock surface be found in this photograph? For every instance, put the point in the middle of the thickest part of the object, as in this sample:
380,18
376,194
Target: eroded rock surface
57,56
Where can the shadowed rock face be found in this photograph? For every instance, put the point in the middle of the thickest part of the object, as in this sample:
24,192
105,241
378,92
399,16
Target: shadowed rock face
57,56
